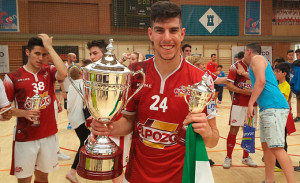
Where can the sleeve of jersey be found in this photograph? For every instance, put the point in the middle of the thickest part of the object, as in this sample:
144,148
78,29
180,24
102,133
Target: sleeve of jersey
53,72
3,98
129,109
9,88
214,77
232,74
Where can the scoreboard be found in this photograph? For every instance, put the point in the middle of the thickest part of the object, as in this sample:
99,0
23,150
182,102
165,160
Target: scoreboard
132,13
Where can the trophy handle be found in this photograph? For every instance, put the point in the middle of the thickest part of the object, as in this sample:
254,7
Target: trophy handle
185,94
72,82
140,87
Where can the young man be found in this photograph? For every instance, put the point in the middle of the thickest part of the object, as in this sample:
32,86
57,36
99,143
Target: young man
35,147
273,112
241,88
158,111
97,48
186,50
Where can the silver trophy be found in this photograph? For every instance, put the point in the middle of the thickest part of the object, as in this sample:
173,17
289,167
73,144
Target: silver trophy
105,93
200,95
35,101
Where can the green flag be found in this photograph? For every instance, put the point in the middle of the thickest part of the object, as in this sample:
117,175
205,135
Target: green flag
196,167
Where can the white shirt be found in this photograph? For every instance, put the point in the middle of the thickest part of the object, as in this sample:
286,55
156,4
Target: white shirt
66,81
75,105
3,98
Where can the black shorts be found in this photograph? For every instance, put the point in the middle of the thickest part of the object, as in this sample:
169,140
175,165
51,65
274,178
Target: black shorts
216,87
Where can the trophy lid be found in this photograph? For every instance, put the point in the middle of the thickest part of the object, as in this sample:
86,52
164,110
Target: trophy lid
108,63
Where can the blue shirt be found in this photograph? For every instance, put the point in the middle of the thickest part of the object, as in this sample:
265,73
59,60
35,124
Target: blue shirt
221,75
271,96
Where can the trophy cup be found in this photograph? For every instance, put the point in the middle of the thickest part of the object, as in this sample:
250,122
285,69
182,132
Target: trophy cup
105,88
36,104
200,95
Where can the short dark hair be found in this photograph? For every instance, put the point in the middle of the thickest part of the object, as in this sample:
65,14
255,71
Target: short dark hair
101,44
297,51
86,62
186,45
213,55
240,55
254,47
34,41
220,66
162,10
290,51
279,60
284,68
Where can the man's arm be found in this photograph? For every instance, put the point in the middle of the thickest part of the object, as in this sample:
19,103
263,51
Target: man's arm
230,86
59,64
258,66
204,127
28,114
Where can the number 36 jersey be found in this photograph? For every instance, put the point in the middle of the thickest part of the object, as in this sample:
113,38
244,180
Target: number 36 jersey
20,86
161,109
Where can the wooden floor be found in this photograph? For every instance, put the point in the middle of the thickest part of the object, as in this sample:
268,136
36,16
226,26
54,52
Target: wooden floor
238,173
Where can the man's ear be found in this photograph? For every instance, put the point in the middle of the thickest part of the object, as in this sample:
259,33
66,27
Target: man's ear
27,52
150,33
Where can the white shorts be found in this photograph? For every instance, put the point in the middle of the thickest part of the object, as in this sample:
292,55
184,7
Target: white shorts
124,142
35,155
238,116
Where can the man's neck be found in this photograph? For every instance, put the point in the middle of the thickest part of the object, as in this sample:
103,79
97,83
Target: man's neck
166,67
290,61
31,69
281,81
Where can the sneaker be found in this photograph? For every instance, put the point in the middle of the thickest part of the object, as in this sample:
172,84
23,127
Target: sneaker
62,156
297,168
71,178
277,169
69,127
211,162
296,119
219,102
248,161
227,163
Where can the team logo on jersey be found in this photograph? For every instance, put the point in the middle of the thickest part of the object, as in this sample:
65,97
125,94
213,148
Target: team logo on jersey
179,92
157,134
244,85
46,75
46,100
210,82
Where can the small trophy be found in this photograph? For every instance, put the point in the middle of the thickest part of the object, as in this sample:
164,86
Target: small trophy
200,95
36,104
105,88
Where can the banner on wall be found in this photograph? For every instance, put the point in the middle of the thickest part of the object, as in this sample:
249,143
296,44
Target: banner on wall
62,51
211,20
9,20
252,17
4,59
265,51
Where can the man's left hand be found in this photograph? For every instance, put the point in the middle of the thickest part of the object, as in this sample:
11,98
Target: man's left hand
199,123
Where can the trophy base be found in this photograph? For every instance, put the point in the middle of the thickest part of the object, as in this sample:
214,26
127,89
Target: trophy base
99,167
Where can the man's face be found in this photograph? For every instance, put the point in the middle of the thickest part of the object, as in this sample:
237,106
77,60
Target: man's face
187,52
166,37
73,58
298,56
279,74
36,57
247,56
95,53
47,60
290,56
214,58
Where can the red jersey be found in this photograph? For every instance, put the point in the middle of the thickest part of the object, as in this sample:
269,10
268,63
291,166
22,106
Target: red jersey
154,155
20,86
240,82
212,66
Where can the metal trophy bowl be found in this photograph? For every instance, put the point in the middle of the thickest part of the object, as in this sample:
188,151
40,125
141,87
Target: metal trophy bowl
200,95
35,101
105,89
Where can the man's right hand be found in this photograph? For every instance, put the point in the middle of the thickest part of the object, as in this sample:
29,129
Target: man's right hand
31,115
99,128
